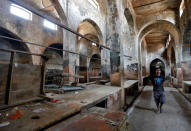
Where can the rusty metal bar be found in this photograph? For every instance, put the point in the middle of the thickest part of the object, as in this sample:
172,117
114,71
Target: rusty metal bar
22,52
9,38
9,78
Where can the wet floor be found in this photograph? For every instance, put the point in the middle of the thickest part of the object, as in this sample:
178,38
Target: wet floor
175,117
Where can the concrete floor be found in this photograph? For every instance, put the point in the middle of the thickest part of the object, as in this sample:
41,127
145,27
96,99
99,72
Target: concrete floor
176,115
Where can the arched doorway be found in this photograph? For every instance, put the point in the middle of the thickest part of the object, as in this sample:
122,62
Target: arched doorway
95,67
14,45
157,62
87,49
152,33
19,69
54,65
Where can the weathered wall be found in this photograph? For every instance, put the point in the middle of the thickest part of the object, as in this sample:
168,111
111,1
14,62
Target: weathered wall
185,24
30,31
121,37
76,12
25,84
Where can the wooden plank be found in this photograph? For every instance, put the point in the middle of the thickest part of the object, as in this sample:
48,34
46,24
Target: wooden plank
9,79
25,83
43,77
19,96
3,82
26,76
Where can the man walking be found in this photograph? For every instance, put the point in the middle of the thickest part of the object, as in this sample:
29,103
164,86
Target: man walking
158,89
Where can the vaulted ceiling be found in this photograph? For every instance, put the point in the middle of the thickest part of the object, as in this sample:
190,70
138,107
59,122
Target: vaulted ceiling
149,10
147,7
142,9
156,40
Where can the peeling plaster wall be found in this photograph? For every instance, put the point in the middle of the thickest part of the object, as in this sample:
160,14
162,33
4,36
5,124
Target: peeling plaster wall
185,24
31,31
119,35
77,11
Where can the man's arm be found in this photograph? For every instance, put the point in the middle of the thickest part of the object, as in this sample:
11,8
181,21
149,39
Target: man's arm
146,80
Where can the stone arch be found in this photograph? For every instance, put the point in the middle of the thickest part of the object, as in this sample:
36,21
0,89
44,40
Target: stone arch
15,45
162,25
55,8
54,57
95,66
54,63
92,28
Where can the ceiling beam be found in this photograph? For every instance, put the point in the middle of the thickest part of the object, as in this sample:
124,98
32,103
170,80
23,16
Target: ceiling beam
149,2
156,7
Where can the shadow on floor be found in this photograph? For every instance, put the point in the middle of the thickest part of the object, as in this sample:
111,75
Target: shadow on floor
145,108
184,104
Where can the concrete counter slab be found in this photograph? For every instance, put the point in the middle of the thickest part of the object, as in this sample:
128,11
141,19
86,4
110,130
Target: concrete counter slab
67,104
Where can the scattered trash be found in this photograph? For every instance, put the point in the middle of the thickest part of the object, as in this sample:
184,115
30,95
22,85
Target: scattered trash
7,114
55,101
38,110
76,92
16,108
18,114
38,104
2,124
72,88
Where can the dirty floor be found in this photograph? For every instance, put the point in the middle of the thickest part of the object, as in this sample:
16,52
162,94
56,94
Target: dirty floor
175,117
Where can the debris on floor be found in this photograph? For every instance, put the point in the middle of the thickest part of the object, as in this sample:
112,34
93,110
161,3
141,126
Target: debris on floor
72,88
2,124
17,115
55,101
76,92
39,110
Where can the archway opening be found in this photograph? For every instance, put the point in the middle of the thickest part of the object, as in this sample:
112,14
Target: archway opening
14,45
168,29
87,49
54,66
157,36
95,68
154,45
